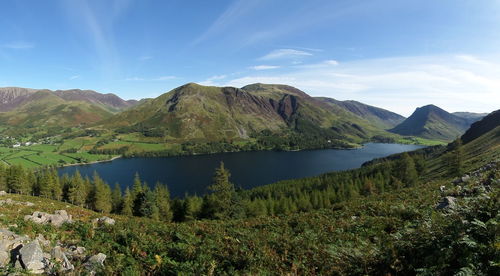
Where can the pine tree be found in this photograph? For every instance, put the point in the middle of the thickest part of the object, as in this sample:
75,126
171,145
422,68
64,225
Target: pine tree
3,177
56,190
163,202
101,195
116,198
408,173
127,203
223,193
456,159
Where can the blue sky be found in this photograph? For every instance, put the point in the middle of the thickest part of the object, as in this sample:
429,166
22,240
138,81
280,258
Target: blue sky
394,54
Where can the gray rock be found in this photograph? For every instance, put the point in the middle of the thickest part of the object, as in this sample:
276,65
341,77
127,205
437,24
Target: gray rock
2,193
104,220
57,219
4,258
447,202
58,254
95,262
32,257
465,178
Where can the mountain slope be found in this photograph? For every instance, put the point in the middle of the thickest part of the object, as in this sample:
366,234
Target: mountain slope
470,116
380,117
193,112
44,108
14,97
486,124
432,122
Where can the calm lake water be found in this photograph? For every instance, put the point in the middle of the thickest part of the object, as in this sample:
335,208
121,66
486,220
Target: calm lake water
192,174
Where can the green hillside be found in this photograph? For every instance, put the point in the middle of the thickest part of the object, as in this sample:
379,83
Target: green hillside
381,118
403,215
432,122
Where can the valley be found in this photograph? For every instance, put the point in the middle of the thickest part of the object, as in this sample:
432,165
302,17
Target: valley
189,120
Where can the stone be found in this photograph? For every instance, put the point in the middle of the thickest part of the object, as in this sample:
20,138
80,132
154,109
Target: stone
58,254
57,219
447,202
95,262
465,178
2,193
104,220
4,258
32,258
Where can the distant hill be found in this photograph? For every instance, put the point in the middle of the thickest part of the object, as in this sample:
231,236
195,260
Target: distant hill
432,122
486,124
193,111
44,108
14,97
380,117
470,116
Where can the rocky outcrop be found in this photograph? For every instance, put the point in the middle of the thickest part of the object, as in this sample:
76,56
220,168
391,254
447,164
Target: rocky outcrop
37,256
476,183
32,259
103,221
57,219
9,201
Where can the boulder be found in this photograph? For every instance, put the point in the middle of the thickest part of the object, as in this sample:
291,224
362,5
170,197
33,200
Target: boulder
32,259
95,262
58,255
57,219
104,220
446,203
2,193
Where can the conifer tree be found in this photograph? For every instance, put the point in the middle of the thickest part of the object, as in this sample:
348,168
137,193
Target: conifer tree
127,203
456,159
163,202
223,192
408,173
116,198
101,195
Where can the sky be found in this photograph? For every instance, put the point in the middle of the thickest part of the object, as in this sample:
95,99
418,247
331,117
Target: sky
393,54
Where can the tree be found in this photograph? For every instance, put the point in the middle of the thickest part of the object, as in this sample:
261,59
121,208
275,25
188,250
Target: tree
163,202
456,166
101,195
127,203
116,199
223,193
407,171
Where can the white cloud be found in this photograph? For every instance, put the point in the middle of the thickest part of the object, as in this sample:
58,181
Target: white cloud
213,80
144,58
264,67
399,84
19,45
74,77
163,78
285,54
331,62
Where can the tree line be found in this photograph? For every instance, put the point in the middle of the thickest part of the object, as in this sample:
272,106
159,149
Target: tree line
223,200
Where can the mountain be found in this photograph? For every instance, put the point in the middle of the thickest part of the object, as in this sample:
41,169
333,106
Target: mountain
470,116
380,117
44,108
13,97
432,122
486,124
109,100
193,111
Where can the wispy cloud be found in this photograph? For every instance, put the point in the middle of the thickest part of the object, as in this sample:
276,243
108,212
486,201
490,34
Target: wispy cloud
331,62
162,78
213,80
232,14
19,45
74,77
399,84
144,58
285,54
264,67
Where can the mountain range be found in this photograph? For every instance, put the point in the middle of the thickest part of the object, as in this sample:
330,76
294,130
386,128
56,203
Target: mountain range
206,113
432,122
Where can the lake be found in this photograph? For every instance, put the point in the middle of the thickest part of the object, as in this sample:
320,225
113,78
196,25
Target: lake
192,174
